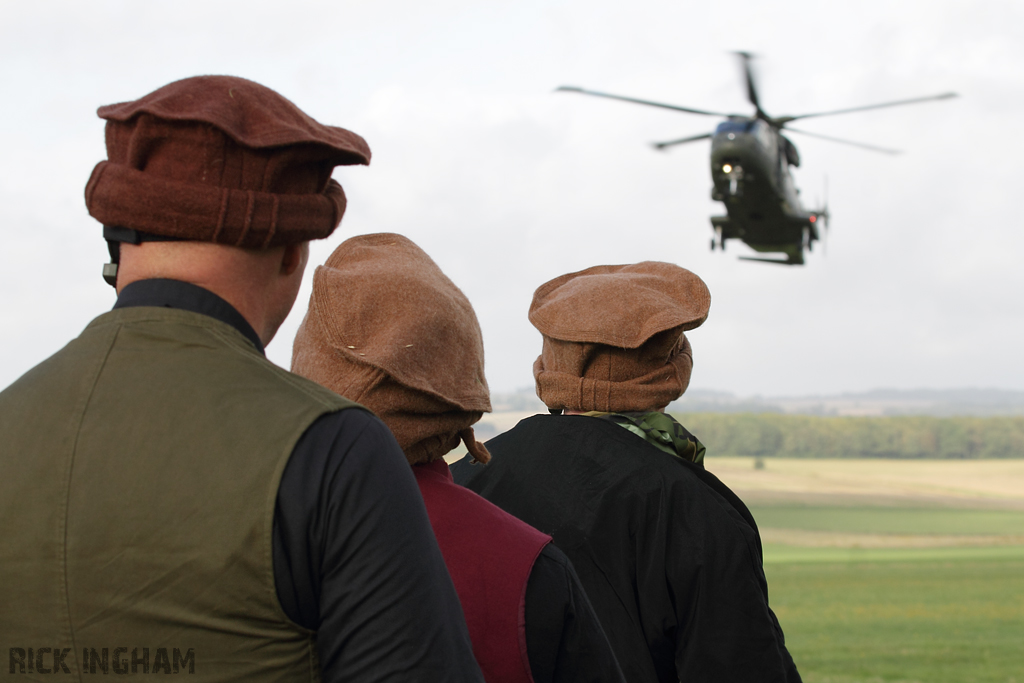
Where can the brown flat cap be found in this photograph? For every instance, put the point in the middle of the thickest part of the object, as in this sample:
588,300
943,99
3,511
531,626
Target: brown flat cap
613,336
386,328
221,159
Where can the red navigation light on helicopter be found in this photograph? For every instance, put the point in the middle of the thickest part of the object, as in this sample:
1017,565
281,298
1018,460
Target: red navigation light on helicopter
813,219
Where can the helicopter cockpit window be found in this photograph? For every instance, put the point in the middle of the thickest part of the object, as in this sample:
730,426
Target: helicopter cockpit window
792,156
732,126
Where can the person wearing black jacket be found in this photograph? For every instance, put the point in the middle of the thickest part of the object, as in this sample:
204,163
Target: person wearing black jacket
669,556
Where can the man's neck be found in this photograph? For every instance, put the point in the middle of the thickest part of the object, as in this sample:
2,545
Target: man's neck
246,279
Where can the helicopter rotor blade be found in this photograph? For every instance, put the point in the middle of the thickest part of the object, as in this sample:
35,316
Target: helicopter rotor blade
782,120
688,110
670,143
873,148
748,73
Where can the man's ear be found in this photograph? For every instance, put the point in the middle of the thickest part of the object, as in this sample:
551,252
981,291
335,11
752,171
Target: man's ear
294,258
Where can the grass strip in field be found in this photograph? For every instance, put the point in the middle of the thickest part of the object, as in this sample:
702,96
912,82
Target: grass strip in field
891,520
787,554
956,619
836,539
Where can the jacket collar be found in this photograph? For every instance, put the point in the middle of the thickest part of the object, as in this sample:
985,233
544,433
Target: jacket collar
165,293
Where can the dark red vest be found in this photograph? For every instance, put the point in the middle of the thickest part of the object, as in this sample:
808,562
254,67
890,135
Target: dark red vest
489,554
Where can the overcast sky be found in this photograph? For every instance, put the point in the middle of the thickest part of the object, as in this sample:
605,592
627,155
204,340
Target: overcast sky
507,185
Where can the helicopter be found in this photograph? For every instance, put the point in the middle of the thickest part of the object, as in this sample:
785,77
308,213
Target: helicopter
750,169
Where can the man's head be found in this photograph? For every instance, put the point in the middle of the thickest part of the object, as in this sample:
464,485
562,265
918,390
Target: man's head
387,329
613,336
213,168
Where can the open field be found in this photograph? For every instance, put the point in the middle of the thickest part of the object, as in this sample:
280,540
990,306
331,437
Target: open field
892,571
792,554
885,622
976,484
895,520
887,527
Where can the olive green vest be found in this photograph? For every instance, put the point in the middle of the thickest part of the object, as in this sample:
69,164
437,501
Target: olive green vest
139,469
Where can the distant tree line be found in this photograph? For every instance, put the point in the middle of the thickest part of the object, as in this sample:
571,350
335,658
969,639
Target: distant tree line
803,436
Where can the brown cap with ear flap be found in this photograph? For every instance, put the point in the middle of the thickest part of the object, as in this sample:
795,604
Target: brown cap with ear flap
221,159
385,327
613,336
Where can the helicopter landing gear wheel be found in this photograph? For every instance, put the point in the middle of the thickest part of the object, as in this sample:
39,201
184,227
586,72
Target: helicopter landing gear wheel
712,244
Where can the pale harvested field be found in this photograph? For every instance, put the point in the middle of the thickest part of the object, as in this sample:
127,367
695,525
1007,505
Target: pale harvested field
957,483
976,484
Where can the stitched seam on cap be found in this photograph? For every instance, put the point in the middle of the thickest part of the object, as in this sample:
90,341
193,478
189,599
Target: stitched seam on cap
249,207
275,203
224,194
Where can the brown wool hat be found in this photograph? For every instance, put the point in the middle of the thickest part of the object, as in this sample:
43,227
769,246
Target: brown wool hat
221,159
387,329
613,336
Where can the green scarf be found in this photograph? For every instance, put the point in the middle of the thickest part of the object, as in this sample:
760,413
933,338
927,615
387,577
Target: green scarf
661,431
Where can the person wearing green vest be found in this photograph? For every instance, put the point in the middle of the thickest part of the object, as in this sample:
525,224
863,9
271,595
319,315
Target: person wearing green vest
174,503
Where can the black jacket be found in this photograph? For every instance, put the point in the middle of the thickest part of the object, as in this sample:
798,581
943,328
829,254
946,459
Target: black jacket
669,556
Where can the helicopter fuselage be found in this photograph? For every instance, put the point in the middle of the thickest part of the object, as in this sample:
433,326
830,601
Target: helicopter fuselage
750,169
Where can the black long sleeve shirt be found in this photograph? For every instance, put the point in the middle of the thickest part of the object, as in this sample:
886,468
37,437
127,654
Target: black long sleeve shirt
670,557
564,638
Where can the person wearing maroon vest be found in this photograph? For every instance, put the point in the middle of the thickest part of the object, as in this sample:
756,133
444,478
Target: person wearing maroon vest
386,328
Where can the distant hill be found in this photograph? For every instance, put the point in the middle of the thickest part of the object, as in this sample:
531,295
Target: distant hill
875,403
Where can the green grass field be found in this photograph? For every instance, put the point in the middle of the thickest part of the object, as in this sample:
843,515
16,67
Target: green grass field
888,615
891,520
928,621
785,554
